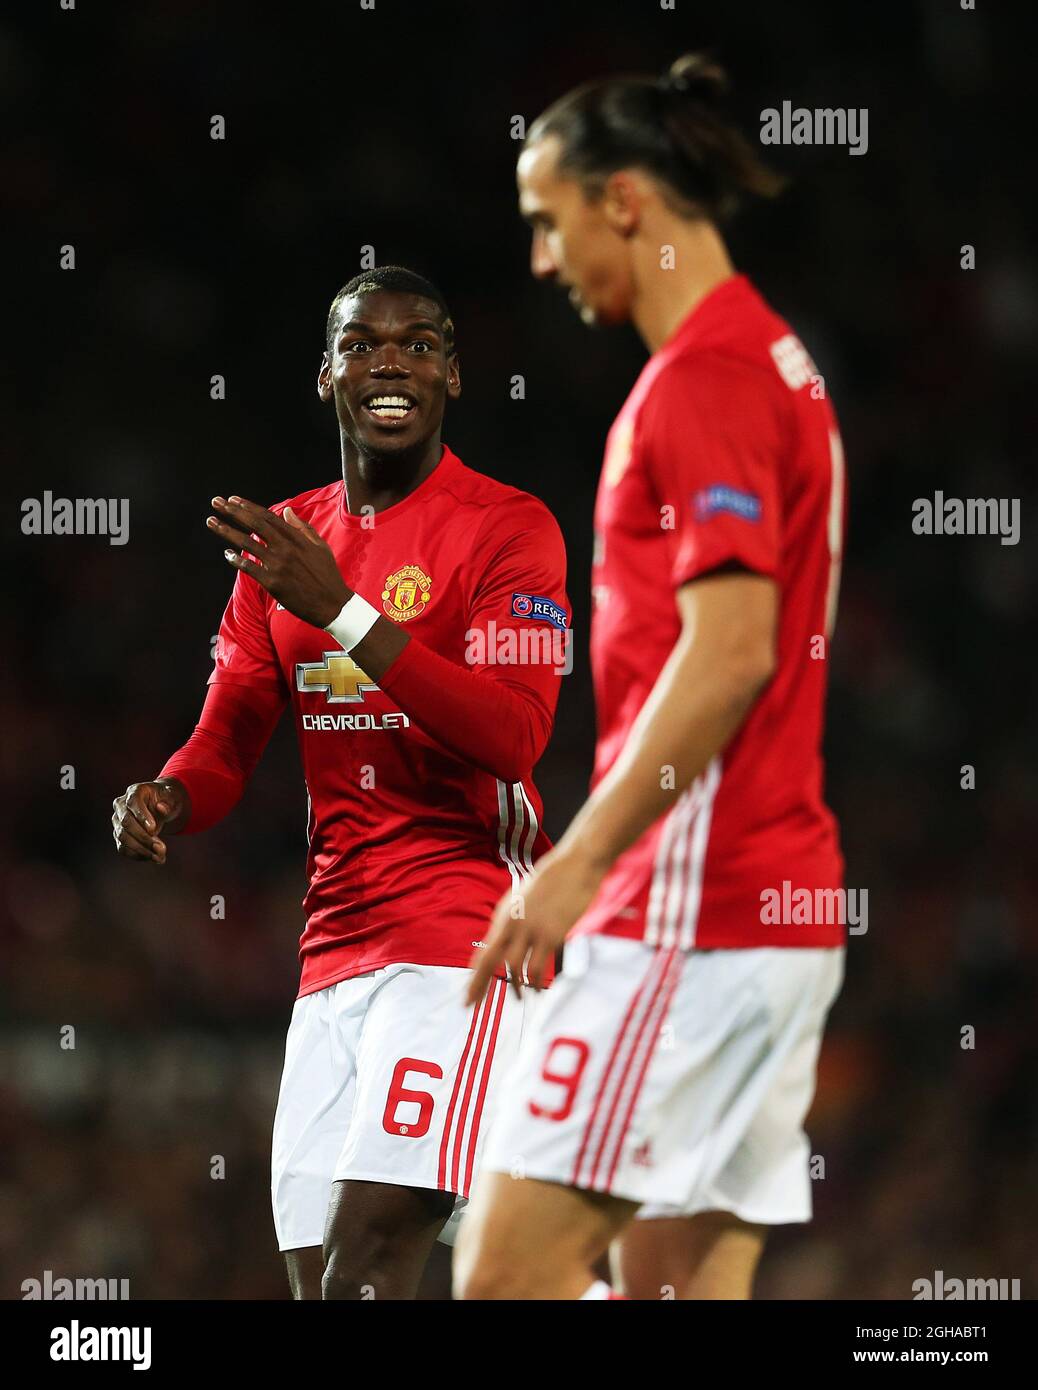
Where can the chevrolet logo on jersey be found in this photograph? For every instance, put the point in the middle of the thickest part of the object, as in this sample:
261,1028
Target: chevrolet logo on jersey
338,675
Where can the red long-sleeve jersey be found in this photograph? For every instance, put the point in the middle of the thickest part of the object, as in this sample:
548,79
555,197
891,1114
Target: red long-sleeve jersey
423,810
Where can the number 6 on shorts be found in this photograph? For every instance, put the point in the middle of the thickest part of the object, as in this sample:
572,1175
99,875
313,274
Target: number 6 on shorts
399,1093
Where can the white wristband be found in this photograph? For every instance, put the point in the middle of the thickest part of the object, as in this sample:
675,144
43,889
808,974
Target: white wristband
353,622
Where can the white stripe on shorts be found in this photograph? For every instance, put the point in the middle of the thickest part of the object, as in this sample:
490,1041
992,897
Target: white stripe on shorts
677,875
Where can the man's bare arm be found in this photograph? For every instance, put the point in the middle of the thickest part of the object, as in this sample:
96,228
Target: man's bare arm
722,661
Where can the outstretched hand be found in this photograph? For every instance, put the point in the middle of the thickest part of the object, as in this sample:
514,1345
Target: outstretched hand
284,554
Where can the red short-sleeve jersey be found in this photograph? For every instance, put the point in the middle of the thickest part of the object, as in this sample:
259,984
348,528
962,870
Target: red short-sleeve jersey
725,453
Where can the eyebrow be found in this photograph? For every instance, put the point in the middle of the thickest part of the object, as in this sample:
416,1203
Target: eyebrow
534,216
415,325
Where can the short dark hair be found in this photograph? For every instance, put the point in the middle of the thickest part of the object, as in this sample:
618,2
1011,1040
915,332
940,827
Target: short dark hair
397,279
671,126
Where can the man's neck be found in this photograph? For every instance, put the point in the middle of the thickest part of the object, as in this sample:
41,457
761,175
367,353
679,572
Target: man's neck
379,481
664,298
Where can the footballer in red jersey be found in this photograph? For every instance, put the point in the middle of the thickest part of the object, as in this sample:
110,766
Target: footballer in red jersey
413,614
701,885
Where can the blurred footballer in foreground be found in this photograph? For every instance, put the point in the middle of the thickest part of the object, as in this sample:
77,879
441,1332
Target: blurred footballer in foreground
701,885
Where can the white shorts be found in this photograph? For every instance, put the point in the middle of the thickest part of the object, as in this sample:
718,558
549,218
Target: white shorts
679,1080
389,1077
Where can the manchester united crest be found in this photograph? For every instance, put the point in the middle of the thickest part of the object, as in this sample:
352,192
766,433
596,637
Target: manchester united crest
406,594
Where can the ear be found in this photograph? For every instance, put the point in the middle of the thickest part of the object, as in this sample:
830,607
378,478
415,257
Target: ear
324,379
453,377
622,202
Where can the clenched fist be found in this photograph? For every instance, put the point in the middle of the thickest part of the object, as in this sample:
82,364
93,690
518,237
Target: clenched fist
143,810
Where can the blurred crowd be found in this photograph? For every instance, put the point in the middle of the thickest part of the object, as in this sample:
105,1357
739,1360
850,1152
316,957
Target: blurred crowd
140,1039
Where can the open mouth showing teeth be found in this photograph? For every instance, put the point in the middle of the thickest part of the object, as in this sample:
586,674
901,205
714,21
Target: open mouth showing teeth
390,407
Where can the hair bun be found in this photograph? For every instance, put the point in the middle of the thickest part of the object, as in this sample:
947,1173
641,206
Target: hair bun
695,75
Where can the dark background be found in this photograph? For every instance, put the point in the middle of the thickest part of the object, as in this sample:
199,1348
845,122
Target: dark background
195,257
